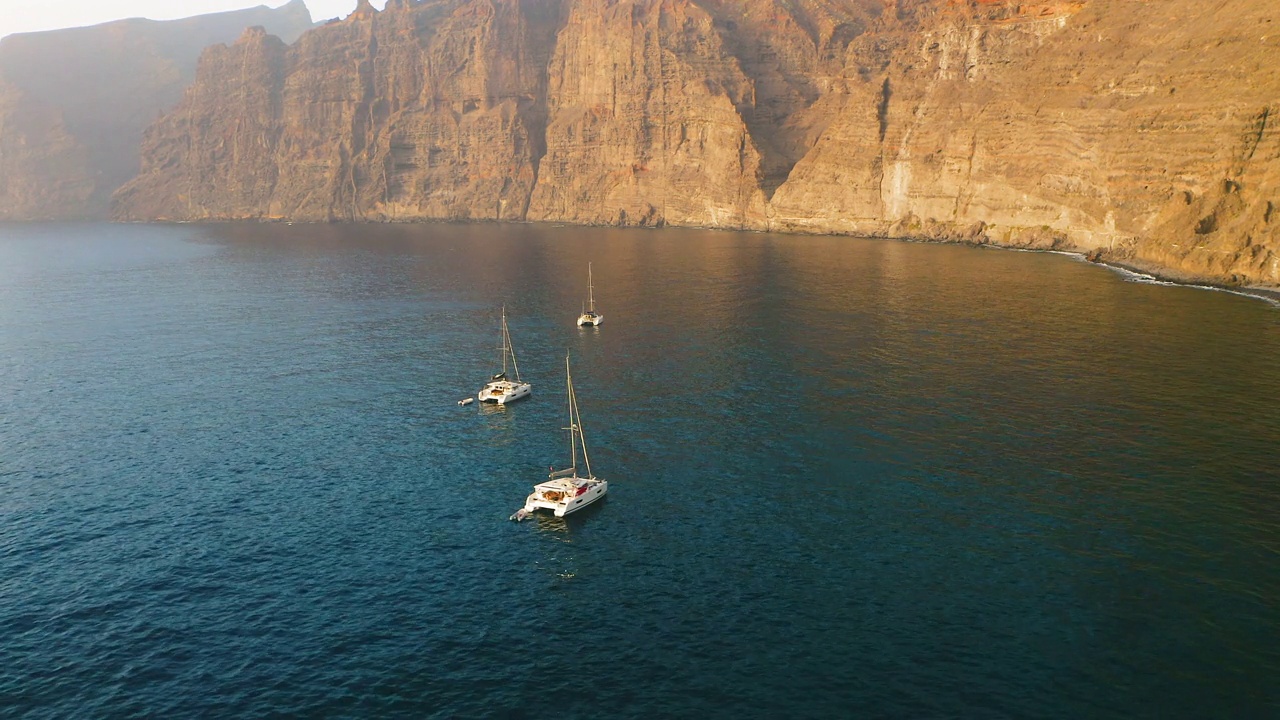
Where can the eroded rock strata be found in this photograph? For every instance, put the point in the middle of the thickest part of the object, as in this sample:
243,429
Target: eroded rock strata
1142,132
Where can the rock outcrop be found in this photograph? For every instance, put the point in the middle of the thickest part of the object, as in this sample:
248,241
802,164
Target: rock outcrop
1140,132
74,103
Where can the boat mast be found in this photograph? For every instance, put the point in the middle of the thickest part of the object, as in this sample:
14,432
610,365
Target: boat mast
591,290
575,421
506,339
573,440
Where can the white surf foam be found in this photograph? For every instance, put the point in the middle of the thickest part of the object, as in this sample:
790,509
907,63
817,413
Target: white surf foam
1146,279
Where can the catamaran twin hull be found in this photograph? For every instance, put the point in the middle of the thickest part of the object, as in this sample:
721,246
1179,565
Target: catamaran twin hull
504,391
566,495
590,319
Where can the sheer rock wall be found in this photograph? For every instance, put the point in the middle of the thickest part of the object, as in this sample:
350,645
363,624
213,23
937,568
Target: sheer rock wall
1141,132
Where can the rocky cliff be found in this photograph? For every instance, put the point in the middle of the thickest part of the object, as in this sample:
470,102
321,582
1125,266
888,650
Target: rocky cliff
1142,132
1137,131
74,103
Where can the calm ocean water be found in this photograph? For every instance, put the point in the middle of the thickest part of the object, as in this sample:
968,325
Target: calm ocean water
847,478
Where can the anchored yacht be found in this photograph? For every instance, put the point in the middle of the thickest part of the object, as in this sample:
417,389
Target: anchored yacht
565,491
502,389
589,315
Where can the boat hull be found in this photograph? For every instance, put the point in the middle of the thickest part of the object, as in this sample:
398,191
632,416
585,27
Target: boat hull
503,393
567,505
590,320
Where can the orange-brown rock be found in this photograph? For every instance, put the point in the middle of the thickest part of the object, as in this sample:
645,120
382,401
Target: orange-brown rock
649,131
1141,132
431,111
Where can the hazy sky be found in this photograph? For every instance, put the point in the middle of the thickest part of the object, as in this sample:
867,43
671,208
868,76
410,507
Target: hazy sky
33,15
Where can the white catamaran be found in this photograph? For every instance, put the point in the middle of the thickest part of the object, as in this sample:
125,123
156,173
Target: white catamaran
565,491
589,316
501,389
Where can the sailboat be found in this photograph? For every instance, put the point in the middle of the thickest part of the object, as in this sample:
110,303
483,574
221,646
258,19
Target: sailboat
589,316
502,389
566,491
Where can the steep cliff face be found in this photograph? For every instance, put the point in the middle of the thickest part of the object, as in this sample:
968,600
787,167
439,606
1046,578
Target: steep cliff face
1143,132
593,111
644,126
792,51
96,89
435,110
1137,131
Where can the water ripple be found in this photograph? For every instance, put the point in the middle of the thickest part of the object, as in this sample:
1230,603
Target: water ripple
847,478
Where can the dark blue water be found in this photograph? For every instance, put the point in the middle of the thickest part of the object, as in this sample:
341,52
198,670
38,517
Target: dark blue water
847,478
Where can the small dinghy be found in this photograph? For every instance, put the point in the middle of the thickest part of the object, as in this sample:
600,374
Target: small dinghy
520,514
466,401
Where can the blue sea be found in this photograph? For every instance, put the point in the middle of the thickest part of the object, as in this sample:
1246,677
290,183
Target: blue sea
848,478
